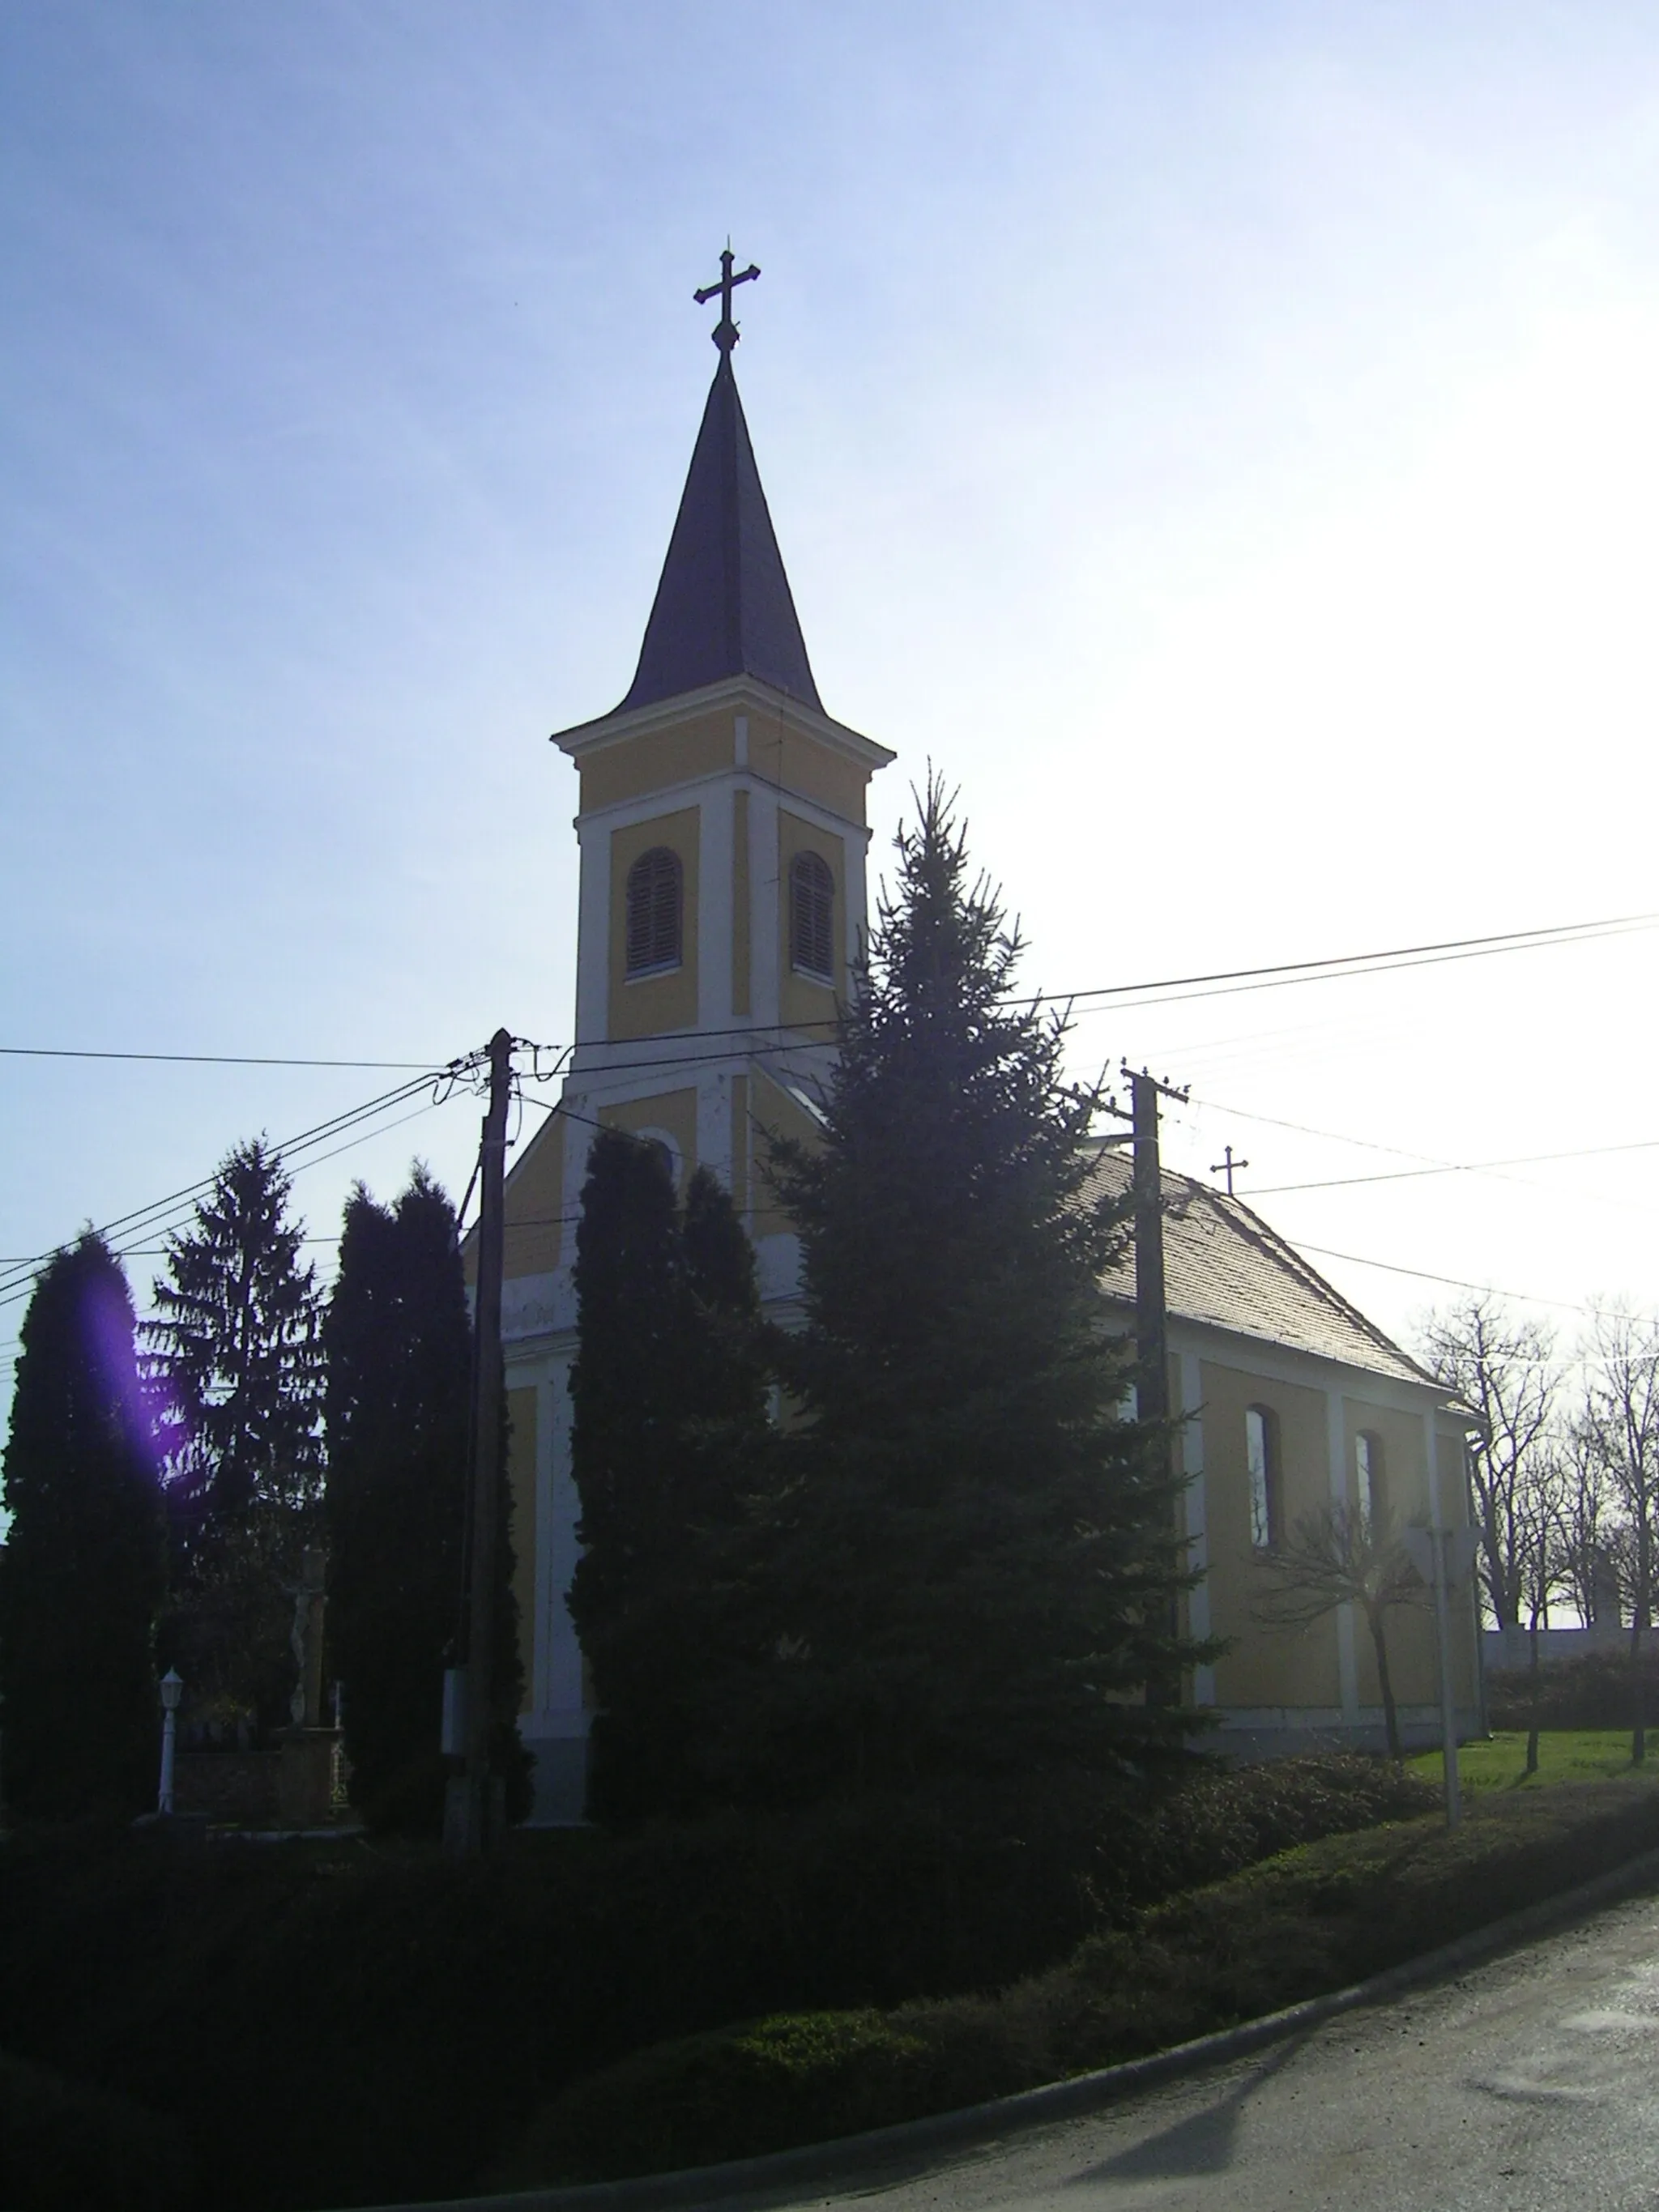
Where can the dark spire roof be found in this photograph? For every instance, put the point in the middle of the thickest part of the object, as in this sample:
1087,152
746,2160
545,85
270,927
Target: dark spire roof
723,606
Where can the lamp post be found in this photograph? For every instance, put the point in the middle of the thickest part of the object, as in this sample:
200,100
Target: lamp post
172,1688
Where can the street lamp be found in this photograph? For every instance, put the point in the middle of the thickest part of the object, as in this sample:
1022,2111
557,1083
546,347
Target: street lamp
172,1688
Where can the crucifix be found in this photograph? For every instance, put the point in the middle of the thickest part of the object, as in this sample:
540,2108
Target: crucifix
725,332
1226,1165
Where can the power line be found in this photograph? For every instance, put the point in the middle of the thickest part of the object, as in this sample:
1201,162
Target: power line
1453,1167
1375,963
1332,967
196,1059
1422,1275
148,1220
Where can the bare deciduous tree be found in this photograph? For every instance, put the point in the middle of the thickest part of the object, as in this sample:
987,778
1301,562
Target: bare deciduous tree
1342,1557
1589,1571
1504,1368
1541,1528
1619,1428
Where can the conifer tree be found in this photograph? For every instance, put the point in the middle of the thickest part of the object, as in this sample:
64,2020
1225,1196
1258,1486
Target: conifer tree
235,1349
398,1350
971,1558
236,1361
82,1572
669,1397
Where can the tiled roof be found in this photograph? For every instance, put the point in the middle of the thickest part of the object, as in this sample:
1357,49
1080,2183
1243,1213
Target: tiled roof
1223,1265
723,606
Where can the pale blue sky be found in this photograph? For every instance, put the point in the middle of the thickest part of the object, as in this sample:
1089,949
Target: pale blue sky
1222,437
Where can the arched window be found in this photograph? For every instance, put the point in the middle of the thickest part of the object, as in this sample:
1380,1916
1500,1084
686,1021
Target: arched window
812,917
1368,1477
1261,1459
653,912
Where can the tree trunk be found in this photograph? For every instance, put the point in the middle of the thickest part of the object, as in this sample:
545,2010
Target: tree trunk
1638,1624
1375,1621
1638,1731
1533,1686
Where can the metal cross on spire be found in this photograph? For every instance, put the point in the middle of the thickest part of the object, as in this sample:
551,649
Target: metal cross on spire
725,332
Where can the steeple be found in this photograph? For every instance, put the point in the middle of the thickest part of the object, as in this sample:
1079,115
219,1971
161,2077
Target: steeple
723,606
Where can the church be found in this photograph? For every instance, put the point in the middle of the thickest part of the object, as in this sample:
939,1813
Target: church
724,851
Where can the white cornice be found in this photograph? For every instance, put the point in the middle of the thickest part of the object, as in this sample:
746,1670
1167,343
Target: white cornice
738,692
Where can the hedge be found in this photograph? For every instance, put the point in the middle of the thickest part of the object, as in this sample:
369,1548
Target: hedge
1313,1919
1593,1691
403,2015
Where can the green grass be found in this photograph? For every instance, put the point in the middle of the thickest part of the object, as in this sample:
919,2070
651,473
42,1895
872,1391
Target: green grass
1564,1755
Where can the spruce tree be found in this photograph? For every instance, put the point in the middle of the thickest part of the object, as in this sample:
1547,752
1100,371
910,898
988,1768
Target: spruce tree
236,1361
969,1559
398,1350
82,1572
669,1399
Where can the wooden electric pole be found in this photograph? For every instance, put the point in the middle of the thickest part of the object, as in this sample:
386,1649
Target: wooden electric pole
471,1833
1151,1330
1152,1311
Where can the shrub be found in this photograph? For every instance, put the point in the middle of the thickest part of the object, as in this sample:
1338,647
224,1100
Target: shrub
65,2145
1592,1690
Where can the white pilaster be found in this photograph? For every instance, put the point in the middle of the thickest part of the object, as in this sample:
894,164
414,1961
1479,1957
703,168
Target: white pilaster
563,1676
593,933
714,1124
1198,1540
541,1626
1336,1445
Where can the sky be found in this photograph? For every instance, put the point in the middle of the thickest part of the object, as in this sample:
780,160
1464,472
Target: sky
1220,439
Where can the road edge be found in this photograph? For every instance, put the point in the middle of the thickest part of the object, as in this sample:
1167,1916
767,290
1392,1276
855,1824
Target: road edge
846,2156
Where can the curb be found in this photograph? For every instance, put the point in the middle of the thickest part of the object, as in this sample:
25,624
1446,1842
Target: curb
850,2155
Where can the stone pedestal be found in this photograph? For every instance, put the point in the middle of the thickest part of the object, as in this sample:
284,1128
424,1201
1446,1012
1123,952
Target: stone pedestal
305,1776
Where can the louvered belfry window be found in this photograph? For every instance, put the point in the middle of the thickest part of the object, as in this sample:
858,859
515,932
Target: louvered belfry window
653,911
812,917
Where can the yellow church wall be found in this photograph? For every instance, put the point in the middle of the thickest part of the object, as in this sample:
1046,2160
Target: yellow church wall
1412,1658
656,760
740,929
533,1201
650,1004
802,1003
805,766
521,1485
675,1112
773,1111
1266,1667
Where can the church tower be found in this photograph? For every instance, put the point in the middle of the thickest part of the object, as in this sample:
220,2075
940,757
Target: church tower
723,845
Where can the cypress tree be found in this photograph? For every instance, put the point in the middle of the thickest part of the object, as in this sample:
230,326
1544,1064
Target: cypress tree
669,1398
970,1557
398,1351
727,1375
82,1572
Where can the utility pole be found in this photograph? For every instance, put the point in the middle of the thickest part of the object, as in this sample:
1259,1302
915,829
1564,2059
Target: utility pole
1151,1311
1151,1347
470,1833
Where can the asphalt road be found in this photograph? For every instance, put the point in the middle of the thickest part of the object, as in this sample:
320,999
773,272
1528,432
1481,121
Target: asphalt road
1528,2084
